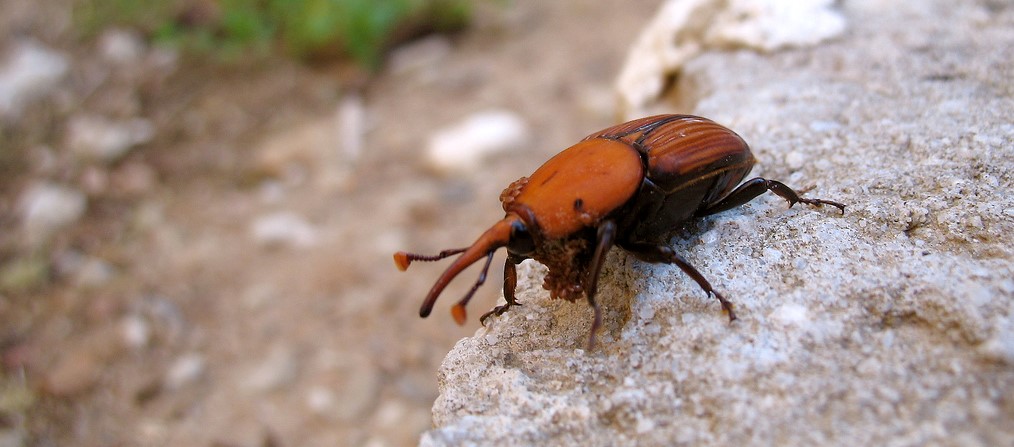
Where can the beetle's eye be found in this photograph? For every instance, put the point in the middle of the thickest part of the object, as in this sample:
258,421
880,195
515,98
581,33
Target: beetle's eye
521,242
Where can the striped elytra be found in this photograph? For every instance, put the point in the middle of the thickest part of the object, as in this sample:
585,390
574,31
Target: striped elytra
682,149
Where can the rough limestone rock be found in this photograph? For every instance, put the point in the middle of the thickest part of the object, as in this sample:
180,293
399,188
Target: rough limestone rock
890,325
683,29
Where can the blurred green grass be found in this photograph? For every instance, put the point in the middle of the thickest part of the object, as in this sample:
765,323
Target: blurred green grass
307,29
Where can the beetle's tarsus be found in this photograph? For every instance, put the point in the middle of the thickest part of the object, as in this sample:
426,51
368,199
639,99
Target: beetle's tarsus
822,202
754,187
726,306
498,310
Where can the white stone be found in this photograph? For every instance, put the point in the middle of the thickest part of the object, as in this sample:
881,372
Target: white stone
462,146
768,25
662,47
771,255
283,228
320,400
46,208
795,159
96,138
136,331
791,314
1000,347
30,70
683,29
121,46
185,370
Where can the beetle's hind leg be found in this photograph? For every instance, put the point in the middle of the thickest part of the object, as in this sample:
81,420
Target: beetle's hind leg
757,186
510,284
661,254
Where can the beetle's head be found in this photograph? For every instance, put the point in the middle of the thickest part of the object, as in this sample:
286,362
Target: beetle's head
511,232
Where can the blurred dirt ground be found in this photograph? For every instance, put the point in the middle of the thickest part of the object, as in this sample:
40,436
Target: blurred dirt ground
229,281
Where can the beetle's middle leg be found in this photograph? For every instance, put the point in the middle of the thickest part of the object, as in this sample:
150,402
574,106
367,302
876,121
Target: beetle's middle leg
510,284
757,186
662,254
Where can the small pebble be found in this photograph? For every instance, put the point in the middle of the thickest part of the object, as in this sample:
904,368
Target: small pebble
94,137
320,400
463,146
795,159
136,331
772,255
121,46
30,71
283,228
824,126
999,348
184,371
47,207
790,314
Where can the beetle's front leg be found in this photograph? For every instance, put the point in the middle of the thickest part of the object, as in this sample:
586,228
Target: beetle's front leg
458,310
661,254
605,238
510,284
757,186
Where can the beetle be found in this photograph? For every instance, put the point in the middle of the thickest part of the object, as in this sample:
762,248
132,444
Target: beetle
630,185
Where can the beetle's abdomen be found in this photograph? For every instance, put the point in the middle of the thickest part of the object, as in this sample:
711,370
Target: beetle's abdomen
684,150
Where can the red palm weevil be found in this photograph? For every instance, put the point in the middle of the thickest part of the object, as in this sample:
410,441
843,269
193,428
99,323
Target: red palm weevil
630,185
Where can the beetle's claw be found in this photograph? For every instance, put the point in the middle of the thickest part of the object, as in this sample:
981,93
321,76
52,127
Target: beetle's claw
726,306
485,316
498,310
822,202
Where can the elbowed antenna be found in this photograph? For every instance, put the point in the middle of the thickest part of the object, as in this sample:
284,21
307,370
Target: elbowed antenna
497,236
403,259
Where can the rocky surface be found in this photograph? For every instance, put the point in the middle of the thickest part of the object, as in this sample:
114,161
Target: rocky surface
890,325
683,29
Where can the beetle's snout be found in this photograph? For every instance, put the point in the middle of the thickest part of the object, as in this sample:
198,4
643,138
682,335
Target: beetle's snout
497,236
